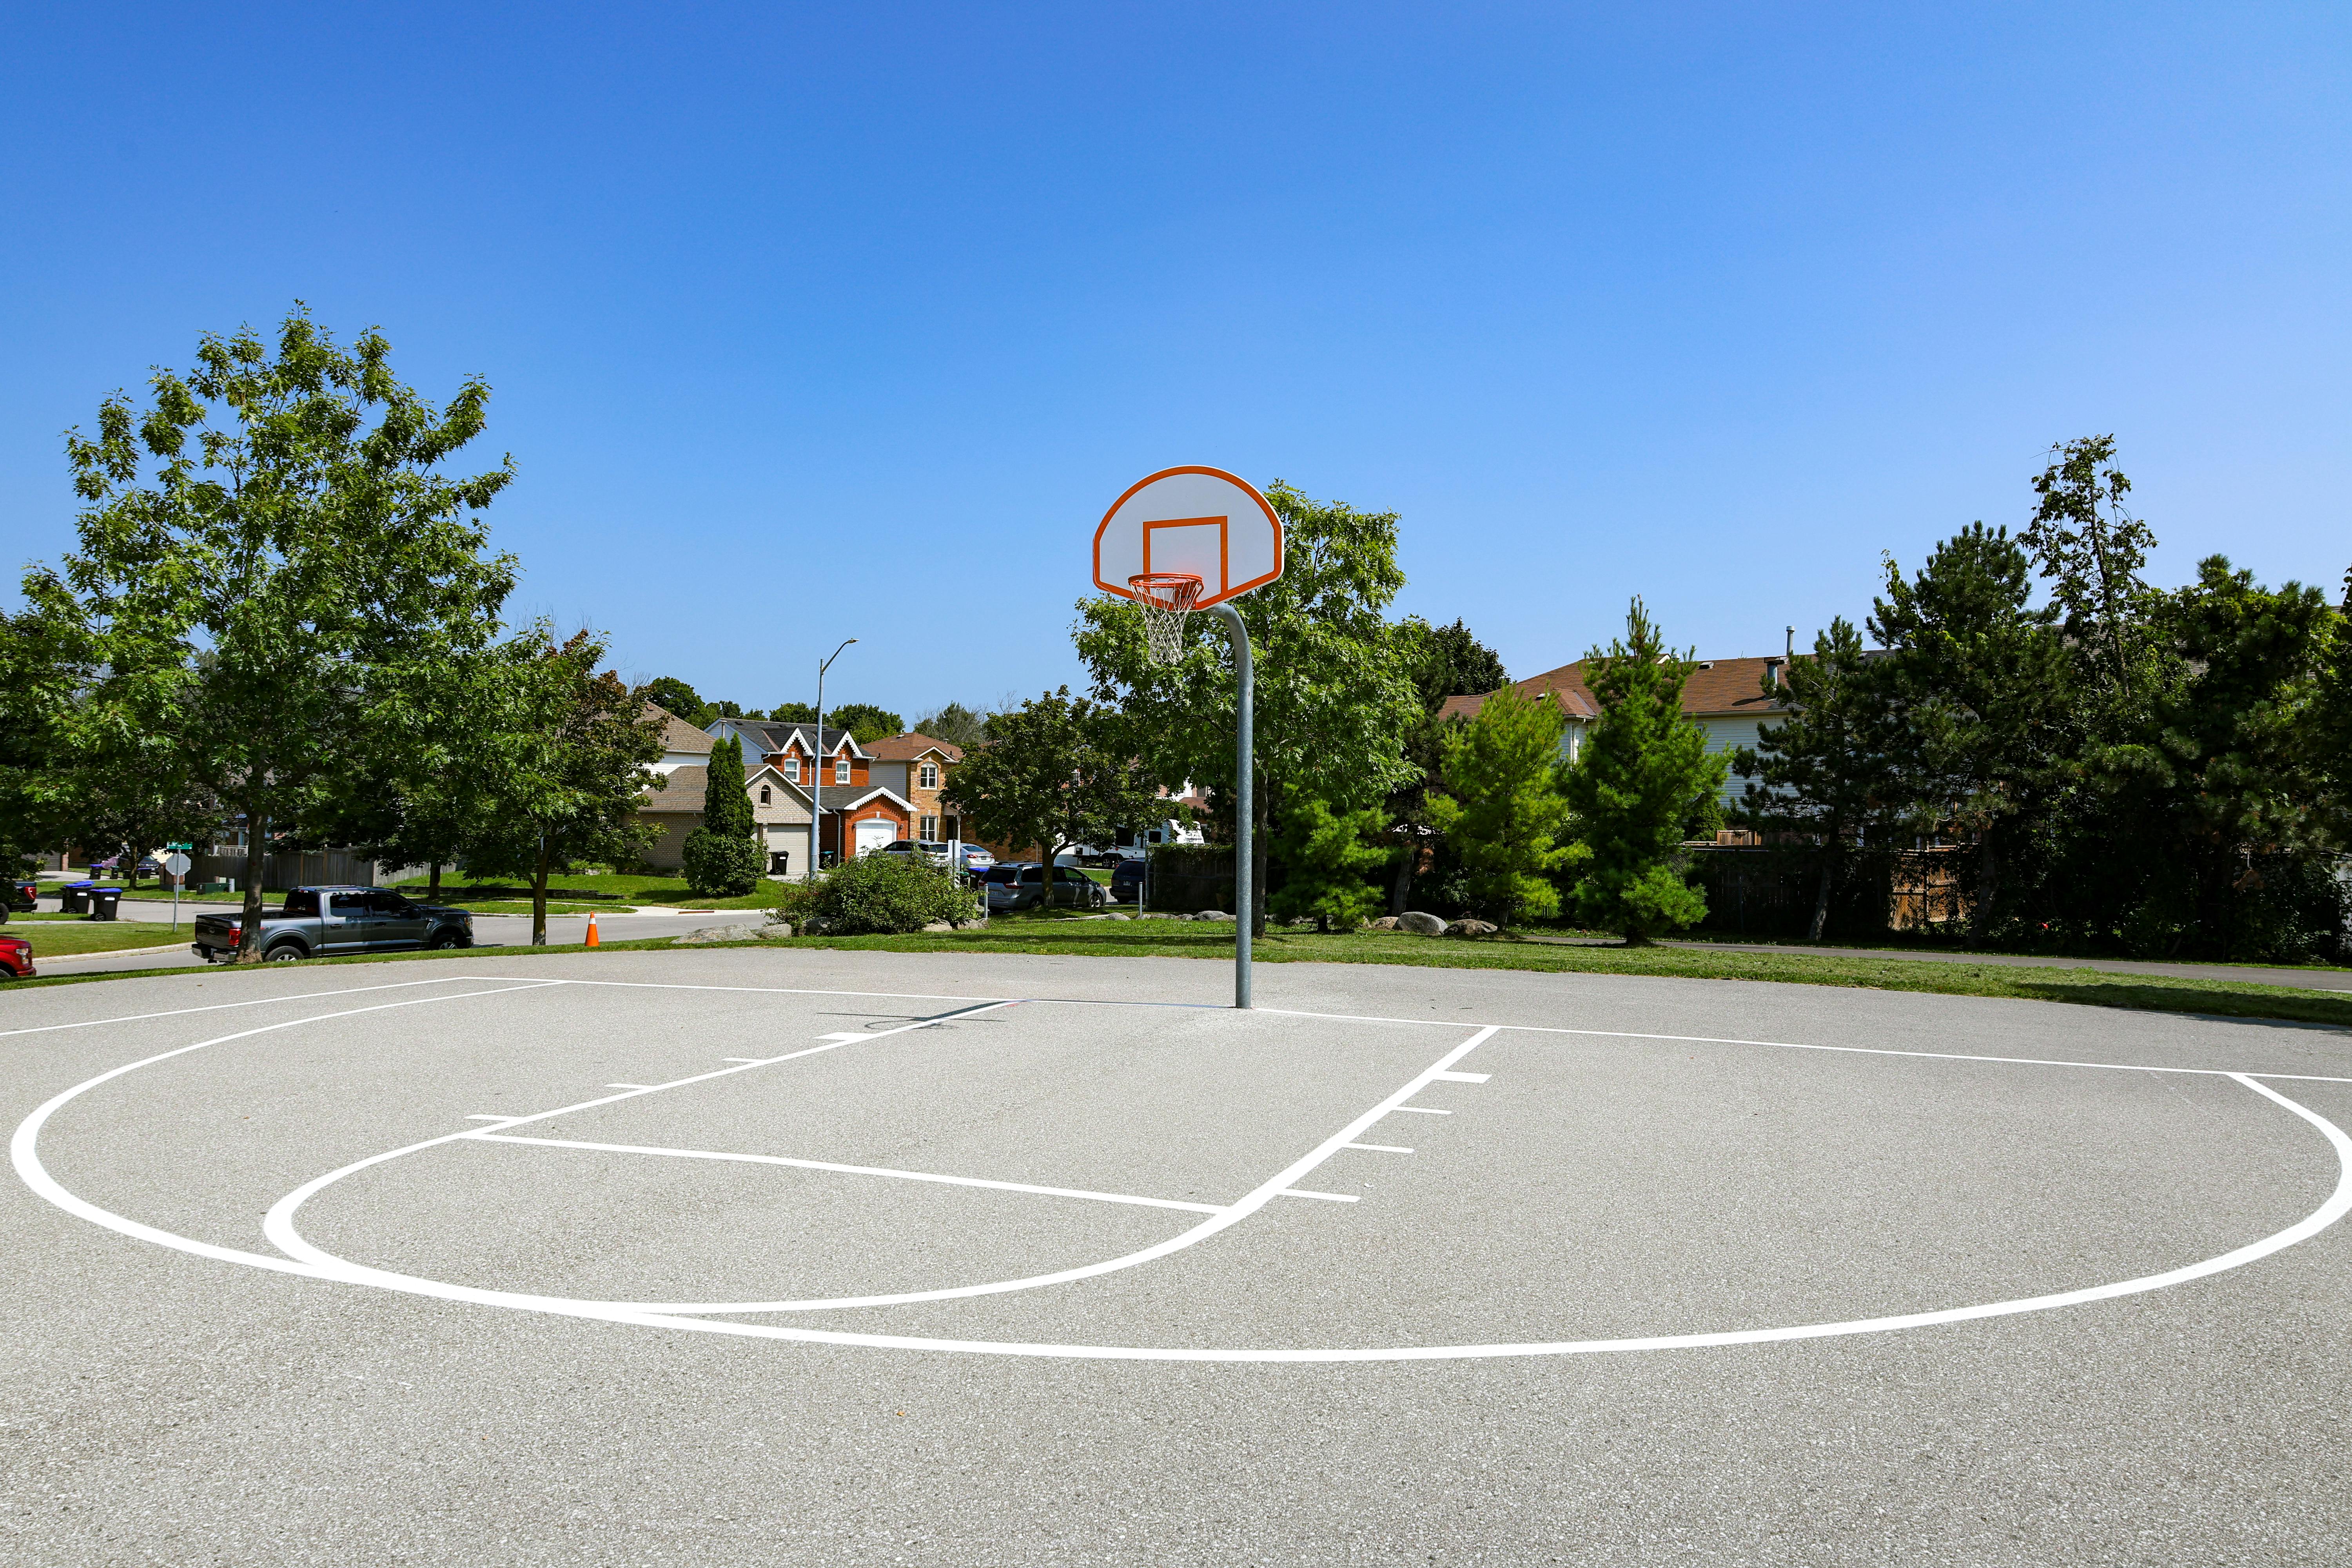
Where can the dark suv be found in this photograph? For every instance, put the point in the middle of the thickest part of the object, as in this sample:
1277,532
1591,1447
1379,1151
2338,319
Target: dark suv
1014,885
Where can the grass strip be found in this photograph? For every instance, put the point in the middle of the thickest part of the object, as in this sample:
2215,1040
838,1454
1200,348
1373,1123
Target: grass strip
1172,939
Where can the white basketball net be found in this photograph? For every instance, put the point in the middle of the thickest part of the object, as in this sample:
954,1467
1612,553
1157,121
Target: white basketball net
1166,598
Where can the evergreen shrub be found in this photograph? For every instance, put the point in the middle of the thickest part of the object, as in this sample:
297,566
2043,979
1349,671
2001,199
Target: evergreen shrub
888,895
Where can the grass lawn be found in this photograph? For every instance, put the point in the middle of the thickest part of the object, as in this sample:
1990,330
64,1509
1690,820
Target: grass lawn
1062,936
55,936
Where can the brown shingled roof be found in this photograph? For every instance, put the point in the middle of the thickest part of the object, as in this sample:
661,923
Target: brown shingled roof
906,748
683,790
1718,686
677,735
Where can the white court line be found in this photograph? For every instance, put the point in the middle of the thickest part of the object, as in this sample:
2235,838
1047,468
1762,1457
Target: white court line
1380,1148
1425,1111
24,1154
265,1001
279,1227
860,1171
1464,1077
1327,1197
633,1086
1799,1046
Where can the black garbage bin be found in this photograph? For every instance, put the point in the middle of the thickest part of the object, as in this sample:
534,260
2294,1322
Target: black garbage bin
104,902
77,898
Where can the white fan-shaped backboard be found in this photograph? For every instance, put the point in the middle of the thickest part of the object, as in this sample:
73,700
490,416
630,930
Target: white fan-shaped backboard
1202,521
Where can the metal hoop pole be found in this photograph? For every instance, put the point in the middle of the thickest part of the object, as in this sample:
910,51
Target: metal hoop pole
1245,705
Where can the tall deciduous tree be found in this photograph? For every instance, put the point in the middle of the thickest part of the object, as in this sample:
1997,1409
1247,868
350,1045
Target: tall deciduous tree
2090,546
1502,810
574,749
864,721
1821,771
1643,785
676,697
268,551
1058,770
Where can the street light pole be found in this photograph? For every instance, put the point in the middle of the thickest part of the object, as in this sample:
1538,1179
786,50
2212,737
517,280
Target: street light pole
816,789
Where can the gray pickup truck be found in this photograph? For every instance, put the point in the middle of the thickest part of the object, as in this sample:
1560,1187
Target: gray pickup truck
322,922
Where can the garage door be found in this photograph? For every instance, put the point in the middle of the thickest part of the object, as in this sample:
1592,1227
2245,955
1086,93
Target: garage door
873,836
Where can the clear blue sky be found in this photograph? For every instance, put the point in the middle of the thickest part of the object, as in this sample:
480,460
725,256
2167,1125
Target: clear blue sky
810,323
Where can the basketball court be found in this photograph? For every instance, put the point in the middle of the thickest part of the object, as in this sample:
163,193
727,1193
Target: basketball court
1528,1216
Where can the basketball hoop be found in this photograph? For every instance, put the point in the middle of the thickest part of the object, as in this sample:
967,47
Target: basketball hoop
1166,598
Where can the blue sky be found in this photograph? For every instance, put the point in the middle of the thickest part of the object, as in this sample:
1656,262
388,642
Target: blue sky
811,323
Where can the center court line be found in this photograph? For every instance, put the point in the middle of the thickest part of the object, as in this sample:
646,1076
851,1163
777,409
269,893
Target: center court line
1425,1111
858,1170
1380,1148
1327,1197
265,1001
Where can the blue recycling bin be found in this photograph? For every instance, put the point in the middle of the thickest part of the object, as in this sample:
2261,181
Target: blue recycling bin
77,896
104,902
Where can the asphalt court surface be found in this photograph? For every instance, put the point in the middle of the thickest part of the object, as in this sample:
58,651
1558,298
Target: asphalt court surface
1056,1160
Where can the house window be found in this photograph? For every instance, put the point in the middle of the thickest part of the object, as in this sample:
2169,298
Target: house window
792,770
928,775
763,795
841,770
929,831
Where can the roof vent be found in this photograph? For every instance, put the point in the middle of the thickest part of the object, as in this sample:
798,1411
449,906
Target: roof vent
1706,664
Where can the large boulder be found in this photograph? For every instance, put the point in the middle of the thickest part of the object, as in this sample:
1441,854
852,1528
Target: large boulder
1472,928
1420,924
1212,915
710,935
1386,922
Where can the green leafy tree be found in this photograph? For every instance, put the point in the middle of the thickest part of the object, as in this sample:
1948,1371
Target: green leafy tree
1324,857
720,856
1982,727
792,713
1442,662
676,697
865,720
1821,771
1501,808
2092,548
956,724
2225,782
269,555
1642,785
1335,699
1058,772
572,750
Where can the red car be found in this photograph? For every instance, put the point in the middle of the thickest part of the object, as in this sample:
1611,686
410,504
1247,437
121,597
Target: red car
16,958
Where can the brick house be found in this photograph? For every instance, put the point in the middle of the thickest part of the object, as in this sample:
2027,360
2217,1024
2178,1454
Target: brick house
861,808
917,767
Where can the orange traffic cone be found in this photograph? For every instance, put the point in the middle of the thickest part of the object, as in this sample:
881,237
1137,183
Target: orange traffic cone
594,940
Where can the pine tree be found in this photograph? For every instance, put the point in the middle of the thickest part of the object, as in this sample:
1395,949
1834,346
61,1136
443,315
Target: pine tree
1643,785
1502,813
1822,768
1324,860
721,858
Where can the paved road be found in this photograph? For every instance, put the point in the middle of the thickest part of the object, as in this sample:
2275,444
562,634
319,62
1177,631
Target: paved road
489,930
606,1308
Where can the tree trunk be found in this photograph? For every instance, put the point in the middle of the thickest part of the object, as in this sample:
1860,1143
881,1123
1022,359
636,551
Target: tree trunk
1400,885
433,889
539,896
248,942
